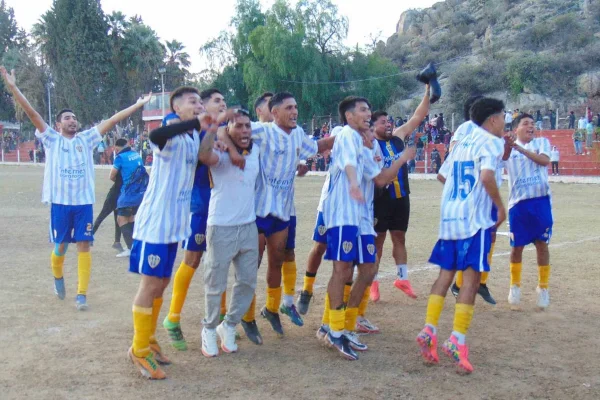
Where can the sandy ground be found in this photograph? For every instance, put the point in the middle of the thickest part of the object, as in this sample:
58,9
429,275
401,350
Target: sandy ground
51,351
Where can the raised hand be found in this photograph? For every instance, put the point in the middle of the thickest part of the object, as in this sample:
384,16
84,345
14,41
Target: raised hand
222,147
9,78
144,99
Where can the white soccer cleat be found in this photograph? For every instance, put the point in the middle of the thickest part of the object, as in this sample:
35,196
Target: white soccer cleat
124,253
226,333
209,343
514,296
543,298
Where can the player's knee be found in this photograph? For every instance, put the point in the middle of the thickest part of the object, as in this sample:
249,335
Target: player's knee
399,238
290,255
60,249
83,247
192,258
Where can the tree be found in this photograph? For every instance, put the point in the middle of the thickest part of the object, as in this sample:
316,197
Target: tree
177,64
324,27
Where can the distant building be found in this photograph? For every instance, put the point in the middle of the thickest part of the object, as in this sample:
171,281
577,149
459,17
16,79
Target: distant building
152,113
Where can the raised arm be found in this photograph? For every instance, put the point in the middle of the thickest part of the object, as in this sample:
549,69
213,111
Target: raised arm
413,123
11,85
206,154
160,135
110,123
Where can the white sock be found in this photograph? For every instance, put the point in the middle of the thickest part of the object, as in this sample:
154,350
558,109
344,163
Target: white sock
335,334
433,328
402,271
288,300
376,279
460,337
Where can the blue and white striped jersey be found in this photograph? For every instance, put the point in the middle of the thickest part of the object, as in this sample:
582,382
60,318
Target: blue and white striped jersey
463,130
466,206
69,171
334,133
163,216
339,209
526,179
372,169
280,153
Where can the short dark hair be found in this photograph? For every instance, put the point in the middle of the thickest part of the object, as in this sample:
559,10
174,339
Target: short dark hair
279,98
207,94
378,114
262,99
180,91
520,118
485,107
348,104
121,142
61,112
468,104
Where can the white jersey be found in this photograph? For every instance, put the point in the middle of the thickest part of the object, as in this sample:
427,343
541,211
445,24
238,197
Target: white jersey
232,197
466,206
334,133
465,129
526,179
368,186
280,153
339,209
69,171
163,216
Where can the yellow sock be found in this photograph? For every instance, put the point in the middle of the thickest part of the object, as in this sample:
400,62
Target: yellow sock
57,262
223,304
181,284
288,272
491,254
463,314
84,270
459,278
337,320
515,274
142,330
543,276
435,304
484,278
362,307
309,282
273,299
250,314
156,306
351,316
347,289
325,320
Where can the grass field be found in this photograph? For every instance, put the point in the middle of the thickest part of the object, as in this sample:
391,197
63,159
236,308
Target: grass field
51,351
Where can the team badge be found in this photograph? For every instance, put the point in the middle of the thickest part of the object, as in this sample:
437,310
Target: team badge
347,247
322,230
153,260
371,249
199,238
79,148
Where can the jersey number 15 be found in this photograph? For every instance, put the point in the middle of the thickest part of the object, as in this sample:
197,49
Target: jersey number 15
464,179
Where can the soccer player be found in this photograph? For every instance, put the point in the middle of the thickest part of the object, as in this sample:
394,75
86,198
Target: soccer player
110,206
529,205
392,208
470,187
232,235
130,166
69,184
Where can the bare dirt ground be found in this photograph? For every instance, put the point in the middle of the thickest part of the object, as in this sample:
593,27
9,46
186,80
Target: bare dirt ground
51,351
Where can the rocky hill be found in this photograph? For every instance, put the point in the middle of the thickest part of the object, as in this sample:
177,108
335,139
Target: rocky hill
534,54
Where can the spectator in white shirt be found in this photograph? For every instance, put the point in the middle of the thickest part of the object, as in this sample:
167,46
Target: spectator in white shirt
554,158
508,119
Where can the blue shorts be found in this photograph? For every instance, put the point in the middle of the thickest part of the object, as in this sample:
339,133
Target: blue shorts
367,252
152,259
70,224
269,225
197,240
291,240
320,233
530,220
342,244
494,216
458,255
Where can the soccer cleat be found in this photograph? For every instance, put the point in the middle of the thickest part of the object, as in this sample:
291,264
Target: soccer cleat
341,344
292,312
363,325
59,288
226,333
427,341
124,253
355,342
322,332
303,302
454,289
252,333
81,302
209,343
543,298
404,285
148,366
158,354
374,294
273,319
514,296
484,292
117,246
175,334
459,354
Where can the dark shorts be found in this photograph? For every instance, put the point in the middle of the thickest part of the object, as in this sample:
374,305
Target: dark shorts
291,240
269,225
392,214
127,211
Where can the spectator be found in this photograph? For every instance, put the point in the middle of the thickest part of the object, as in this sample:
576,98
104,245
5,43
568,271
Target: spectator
508,119
420,146
554,158
589,128
590,115
515,114
101,150
411,166
581,124
572,120
440,122
578,141
436,160
539,120
552,120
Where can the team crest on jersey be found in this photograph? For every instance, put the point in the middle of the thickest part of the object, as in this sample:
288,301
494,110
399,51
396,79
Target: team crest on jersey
79,148
347,247
199,238
371,249
322,230
153,260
